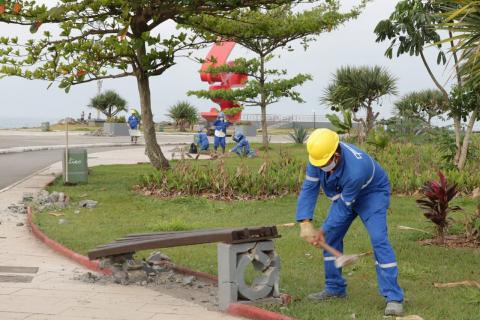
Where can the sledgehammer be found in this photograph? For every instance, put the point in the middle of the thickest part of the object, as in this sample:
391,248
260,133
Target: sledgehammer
341,260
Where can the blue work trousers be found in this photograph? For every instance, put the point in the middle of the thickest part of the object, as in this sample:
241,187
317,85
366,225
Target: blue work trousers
386,263
219,141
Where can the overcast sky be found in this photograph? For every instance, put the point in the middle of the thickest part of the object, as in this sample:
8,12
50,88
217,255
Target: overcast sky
352,44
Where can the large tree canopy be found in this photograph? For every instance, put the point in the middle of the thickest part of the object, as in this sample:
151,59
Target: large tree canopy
423,105
97,39
354,88
415,25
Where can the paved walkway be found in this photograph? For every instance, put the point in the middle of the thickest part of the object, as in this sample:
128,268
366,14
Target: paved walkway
17,141
53,294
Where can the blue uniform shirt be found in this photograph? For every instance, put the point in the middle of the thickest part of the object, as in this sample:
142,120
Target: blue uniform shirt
242,147
356,176
133,122
202,140
221,125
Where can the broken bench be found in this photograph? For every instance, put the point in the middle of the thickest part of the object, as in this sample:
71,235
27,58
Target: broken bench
237,249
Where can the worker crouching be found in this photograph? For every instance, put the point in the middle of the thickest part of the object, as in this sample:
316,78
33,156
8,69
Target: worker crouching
357,186
242,148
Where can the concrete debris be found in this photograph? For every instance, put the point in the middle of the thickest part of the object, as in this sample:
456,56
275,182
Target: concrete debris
62,221
20,224
157,258
131,264
188,281
87,204
136,276
161,278
17,208
53,197
27,197
88,278
76,211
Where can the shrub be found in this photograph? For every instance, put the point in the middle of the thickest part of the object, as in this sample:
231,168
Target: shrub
184,114
435,203
109,103
378,138
274,178
341,127
299,135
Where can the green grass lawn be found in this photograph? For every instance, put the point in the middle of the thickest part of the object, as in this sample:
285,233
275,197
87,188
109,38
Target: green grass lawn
121,211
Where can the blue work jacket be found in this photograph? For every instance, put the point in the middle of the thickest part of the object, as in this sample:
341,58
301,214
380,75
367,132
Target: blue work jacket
133,122
221,125
359,185
202,140
242,146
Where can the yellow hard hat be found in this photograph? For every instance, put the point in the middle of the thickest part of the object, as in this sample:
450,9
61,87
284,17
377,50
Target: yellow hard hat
321,146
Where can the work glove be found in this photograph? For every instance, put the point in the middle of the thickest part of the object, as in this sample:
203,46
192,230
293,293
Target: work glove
308,232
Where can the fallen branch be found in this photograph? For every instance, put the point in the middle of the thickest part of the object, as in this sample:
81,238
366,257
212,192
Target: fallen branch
55,214
414,229
466,283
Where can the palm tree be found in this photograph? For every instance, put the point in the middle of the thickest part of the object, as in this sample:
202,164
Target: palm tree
109,103
184,114
423,105
354,88
462,20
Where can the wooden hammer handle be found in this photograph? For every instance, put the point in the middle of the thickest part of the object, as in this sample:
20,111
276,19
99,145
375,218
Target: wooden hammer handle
330,249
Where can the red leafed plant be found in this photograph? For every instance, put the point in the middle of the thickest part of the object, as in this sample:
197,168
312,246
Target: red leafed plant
435,203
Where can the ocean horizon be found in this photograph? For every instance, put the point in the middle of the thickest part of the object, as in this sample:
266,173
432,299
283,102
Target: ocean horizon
17,123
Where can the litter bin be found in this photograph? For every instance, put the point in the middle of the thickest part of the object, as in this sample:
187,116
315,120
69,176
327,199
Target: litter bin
77,166
45,126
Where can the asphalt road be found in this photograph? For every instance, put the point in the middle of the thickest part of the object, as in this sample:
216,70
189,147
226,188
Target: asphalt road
16,166
12,139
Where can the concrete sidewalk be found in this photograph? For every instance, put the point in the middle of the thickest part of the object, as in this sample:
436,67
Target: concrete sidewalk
53,294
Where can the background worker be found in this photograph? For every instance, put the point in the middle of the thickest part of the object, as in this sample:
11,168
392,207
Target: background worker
242,148
133,123
220,126
201,140
357,186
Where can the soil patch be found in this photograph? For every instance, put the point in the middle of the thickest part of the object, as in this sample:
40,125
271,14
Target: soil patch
453,241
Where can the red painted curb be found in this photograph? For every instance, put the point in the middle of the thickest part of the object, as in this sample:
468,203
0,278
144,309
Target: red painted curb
254,313
57,247
235,309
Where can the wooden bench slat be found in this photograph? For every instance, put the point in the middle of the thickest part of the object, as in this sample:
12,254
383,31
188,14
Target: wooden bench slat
137,242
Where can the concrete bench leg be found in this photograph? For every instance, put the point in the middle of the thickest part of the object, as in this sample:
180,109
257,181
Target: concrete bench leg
233,260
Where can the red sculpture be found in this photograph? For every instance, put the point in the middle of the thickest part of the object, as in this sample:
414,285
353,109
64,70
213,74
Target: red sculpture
218,56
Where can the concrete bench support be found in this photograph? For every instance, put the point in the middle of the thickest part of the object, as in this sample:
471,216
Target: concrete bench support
233,260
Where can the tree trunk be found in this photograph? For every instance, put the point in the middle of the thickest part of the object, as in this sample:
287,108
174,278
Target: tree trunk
264,127
154,152
457,125
466,141
263,103
441,234
370,119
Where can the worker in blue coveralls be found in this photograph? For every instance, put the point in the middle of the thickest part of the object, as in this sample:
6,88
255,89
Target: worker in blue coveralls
242,148
357,186
220,132
133,123
201,140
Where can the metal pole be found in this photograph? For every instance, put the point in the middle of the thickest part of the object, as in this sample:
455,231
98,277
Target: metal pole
66,149
314,121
